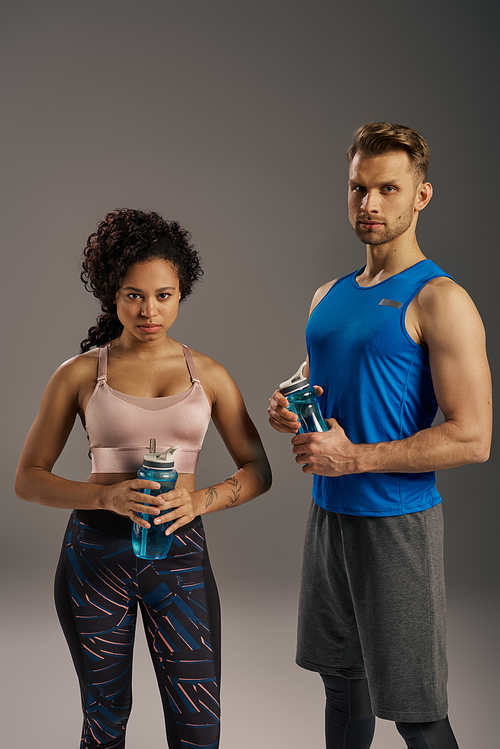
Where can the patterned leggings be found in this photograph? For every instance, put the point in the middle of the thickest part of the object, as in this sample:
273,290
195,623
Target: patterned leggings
99,583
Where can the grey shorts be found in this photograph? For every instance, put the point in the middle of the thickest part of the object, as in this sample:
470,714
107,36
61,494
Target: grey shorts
372,603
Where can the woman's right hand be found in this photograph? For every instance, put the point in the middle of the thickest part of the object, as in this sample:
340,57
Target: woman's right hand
125,498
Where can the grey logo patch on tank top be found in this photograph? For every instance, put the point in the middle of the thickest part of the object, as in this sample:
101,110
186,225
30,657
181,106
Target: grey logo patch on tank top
390,303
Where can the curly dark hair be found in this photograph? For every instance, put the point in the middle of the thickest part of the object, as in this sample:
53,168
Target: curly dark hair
125,237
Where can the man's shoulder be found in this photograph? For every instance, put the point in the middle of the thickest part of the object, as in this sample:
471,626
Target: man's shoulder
443,305
440,290
320,293
439,304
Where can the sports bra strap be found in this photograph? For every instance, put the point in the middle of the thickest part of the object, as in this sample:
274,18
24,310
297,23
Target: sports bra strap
190,363
102,369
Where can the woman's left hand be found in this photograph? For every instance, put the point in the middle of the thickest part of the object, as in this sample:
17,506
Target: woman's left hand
181,502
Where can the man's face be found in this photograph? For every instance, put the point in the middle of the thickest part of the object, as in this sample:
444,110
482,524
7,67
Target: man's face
382,197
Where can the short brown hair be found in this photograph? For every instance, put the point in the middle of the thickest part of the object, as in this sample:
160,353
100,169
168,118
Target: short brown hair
376,138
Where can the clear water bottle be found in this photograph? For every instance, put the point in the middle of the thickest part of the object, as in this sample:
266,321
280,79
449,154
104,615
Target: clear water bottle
302,400
152,543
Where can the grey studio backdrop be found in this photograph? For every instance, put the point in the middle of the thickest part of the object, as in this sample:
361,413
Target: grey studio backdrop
233,118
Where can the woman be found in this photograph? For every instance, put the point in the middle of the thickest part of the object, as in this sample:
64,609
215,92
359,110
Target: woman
130,383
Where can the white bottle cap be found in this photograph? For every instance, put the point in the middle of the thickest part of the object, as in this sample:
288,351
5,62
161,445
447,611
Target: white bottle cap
295,382
164,460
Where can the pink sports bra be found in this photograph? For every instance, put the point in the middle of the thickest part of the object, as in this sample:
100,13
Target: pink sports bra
120,426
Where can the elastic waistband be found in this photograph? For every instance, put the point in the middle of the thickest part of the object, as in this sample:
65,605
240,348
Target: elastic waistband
106,522
114,525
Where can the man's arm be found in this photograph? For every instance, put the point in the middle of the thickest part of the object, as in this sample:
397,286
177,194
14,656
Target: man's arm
447,321
280,418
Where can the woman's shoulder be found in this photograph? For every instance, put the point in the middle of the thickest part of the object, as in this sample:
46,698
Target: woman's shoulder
80,368
206,366
220,388
72,381
213,375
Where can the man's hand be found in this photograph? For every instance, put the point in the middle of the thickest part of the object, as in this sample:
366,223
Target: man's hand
326,453
280,417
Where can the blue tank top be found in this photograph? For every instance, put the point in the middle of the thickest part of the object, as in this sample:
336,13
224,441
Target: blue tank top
377,384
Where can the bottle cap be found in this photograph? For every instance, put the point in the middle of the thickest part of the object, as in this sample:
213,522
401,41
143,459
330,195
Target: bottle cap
163,460
296,382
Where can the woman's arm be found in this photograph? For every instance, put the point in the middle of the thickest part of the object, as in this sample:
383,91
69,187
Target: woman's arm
35,481
253,475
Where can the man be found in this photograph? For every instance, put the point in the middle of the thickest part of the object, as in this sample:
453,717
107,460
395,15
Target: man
386,346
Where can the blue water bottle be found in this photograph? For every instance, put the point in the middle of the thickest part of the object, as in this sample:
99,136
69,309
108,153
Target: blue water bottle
152,543
302,401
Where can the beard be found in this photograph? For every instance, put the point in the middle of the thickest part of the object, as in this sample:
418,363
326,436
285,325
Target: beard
387,232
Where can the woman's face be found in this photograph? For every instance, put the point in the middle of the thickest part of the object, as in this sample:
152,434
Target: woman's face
148,299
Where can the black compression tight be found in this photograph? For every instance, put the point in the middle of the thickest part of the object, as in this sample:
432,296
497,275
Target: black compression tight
350,723
435,735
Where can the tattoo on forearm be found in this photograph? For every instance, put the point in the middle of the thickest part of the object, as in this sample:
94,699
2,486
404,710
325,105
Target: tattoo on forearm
234,496
211,494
